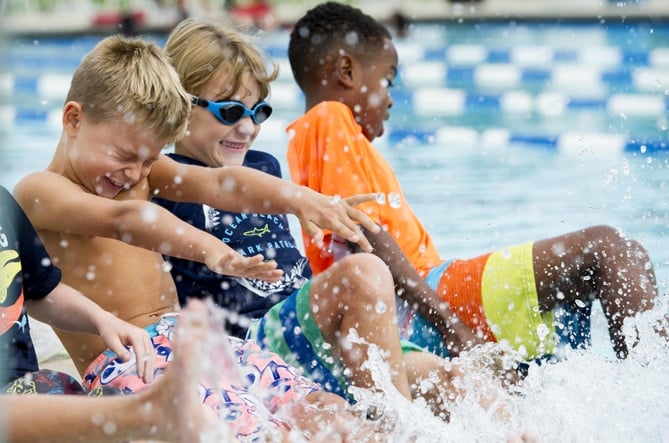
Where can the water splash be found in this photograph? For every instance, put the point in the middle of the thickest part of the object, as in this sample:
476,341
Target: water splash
590,396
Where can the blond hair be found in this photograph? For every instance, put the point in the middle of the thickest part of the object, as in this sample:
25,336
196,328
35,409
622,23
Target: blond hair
200,50
131,78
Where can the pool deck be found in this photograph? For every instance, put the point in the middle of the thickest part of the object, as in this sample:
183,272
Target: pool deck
151,18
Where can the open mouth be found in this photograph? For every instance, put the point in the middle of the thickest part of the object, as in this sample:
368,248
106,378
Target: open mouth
233,146
114,186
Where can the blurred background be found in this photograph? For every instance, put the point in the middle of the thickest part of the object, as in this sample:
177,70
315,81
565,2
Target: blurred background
58,16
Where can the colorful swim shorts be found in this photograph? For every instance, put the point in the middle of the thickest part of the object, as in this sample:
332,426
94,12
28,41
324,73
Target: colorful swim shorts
270,383
496,294
289,330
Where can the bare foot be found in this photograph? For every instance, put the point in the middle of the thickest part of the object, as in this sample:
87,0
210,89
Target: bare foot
174,399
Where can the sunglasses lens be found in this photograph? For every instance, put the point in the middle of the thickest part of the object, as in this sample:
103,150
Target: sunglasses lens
232,113
262,113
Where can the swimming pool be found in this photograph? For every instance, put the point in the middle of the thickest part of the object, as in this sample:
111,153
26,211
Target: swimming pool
501,133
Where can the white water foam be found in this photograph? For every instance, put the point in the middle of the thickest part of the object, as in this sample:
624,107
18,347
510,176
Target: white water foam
590,396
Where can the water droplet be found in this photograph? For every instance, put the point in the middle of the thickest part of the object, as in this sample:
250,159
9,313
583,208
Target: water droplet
150,213
542,331
394,200
110,428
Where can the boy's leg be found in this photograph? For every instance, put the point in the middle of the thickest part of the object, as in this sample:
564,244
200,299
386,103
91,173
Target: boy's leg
596,263
432,379
174,396
357,293
310,329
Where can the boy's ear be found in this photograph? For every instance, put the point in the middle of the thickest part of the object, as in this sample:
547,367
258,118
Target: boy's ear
71,119
344,70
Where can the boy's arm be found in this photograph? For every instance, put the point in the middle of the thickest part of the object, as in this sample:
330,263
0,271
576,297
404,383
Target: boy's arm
412,288
241,189
68,309
54,203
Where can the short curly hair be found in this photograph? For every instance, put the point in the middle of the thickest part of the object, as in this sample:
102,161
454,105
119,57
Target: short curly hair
327,28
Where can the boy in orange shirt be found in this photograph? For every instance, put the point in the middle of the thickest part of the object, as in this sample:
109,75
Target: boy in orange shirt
345,62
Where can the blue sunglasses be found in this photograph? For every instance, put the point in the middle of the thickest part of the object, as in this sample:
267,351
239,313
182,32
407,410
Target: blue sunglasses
229,112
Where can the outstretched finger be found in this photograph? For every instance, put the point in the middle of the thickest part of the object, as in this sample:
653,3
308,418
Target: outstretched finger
268,275
361,240
314,232
359,215
364,220
355,200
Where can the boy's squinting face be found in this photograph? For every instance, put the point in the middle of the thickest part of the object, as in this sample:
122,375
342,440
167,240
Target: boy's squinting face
109,157
373,102
212,142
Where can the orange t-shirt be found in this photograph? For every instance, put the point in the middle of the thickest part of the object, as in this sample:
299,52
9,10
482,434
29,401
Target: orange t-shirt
328,153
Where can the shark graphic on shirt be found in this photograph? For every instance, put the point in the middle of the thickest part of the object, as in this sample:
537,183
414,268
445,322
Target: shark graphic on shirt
293,278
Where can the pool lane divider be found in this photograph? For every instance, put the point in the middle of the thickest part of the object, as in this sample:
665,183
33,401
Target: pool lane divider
575,79
566,142
429,101
453,136
67,53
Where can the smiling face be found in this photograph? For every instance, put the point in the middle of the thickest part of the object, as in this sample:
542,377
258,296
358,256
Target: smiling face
369,97
212,142
107,157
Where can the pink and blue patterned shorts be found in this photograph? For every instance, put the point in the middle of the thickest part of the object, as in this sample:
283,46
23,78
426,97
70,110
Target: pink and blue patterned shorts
269,383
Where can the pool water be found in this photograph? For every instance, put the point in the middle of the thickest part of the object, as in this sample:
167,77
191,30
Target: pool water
500,133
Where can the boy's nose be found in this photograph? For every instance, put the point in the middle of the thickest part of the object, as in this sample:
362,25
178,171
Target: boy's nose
133,173
246,125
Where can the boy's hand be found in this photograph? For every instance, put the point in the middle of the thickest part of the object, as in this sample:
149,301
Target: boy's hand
318,212
227,261
118,334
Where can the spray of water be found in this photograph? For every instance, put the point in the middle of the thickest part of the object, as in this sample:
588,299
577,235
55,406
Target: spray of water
589,396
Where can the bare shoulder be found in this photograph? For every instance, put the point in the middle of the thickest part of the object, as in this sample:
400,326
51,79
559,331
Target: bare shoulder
37,185
52,200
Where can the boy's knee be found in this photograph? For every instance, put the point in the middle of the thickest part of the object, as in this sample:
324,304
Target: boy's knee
603,233
612,237
365,266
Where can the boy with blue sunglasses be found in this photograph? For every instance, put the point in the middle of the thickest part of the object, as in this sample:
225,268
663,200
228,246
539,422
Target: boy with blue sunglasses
307,321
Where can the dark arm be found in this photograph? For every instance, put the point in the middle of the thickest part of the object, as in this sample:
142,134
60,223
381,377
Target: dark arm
412,288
